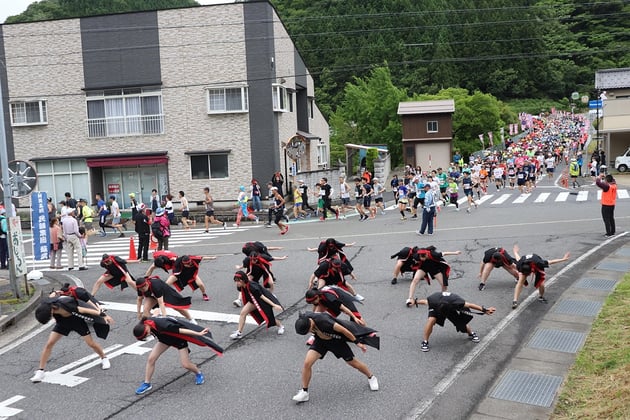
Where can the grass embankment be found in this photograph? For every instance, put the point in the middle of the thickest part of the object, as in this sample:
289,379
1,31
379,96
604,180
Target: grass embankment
598,386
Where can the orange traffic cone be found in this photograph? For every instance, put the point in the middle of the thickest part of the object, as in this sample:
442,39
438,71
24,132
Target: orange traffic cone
152,243
132,251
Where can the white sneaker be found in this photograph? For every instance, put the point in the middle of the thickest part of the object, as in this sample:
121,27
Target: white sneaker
39,376
301,396
257,220
281,330
359,297
238,303
193,321
373,383
236,335
105,364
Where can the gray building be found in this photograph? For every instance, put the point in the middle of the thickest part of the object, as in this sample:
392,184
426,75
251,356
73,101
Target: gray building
176,99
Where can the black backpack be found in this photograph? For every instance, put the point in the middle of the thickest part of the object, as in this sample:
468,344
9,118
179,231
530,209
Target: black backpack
156,229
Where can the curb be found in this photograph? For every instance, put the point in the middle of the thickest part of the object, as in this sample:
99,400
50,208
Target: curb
13,318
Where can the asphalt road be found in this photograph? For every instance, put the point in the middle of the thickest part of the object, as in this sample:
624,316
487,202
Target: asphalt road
258,375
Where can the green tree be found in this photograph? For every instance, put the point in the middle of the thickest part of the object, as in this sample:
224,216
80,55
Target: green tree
62,9
368,114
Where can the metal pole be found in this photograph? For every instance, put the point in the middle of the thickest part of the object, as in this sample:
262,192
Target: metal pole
6,192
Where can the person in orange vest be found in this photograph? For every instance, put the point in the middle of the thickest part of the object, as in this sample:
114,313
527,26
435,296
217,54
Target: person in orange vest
609,197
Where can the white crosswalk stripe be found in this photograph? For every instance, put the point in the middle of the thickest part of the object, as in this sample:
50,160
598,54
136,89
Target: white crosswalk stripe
542,197
582,196
562,196
501,199
120,246
522,198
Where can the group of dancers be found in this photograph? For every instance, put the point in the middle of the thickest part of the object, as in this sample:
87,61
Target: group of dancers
328,291
428,263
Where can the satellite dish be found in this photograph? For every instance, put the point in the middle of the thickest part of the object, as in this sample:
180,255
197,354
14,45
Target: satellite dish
22,177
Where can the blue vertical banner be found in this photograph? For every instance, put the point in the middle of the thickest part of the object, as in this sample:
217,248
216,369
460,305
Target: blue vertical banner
40,225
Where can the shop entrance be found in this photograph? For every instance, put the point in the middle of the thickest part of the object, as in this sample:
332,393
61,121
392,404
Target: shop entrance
120,182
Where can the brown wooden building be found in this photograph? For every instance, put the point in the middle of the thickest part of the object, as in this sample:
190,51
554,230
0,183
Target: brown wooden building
427,133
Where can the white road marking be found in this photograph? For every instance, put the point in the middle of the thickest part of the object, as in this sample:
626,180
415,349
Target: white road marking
562,196
622,194
6,411
542,197
582,196
201,315
501,199
522,198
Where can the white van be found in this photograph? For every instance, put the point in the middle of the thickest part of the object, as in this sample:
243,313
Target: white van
622,163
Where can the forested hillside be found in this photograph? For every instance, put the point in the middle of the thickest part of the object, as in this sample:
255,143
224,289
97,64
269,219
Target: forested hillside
510,49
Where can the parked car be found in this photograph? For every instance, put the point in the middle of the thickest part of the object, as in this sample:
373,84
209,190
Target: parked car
622,163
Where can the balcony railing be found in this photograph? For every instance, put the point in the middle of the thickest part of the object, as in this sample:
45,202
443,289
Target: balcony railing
125,126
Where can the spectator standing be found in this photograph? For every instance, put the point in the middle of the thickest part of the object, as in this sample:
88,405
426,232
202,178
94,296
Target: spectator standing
155,200
277,180
71,236
609,198
161,222
256,192
143,229
56,243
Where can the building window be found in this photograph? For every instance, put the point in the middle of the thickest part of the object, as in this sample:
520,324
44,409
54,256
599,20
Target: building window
432,126
57,177
311,105
322,154
226,100
209,166
125,112
28,113
280,99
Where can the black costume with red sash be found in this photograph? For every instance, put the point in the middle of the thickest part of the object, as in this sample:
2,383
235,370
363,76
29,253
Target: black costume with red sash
263,312
409,256
257,267
259,248
332,297
159,289
433,264
166,330
186,274
117,268
79,293
332,248
325,324
164,260
71,304
499,257
446,305
331,274
533,263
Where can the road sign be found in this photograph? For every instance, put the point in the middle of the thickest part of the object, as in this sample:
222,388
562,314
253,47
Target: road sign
595,104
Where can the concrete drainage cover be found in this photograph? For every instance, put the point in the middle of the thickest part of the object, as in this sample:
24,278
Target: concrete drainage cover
597,284
623,266
623,252
557,340
527,388
577,307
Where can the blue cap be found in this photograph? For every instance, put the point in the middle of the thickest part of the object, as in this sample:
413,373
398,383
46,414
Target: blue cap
159,211
242,188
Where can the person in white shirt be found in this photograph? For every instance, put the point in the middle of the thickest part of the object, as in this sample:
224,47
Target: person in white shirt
115,209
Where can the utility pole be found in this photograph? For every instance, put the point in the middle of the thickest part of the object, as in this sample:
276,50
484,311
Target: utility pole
6,191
